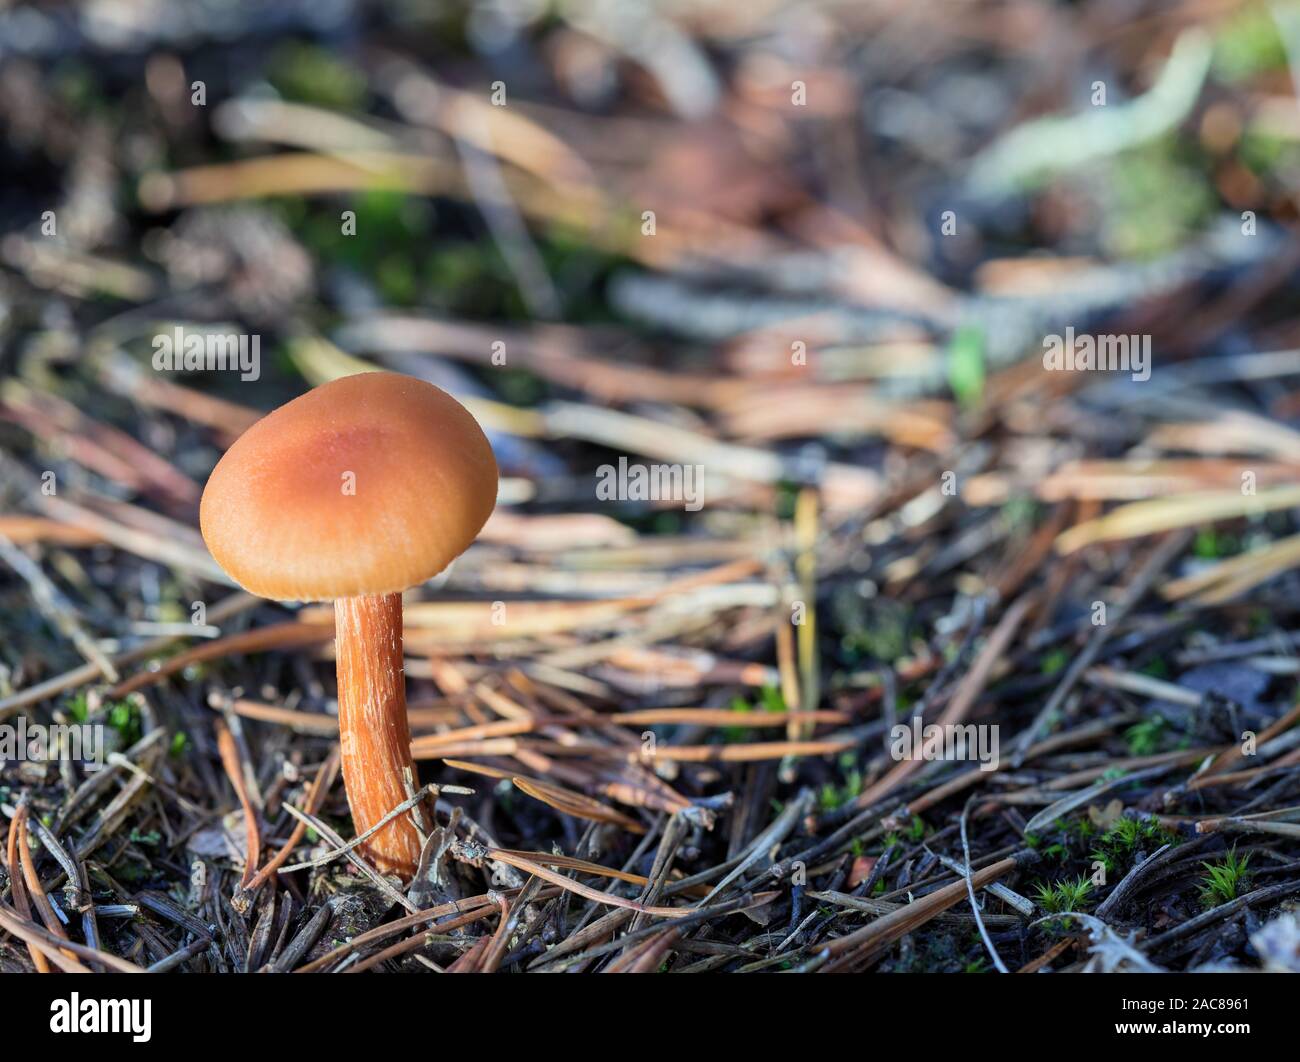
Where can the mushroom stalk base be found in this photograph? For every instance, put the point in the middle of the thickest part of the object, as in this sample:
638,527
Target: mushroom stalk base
374,734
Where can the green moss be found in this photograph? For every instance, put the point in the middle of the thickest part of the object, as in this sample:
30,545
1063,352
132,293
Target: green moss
834,796
1211,544
124,717
1155,668
770,699
1020,513
1116,848
966,366
1054,661
77,88
1247,44
1225,880
121,716
305,73
787,497
1143,737
1263,154
77,707
874,630
1063,896
519,387
1081,827
1157,198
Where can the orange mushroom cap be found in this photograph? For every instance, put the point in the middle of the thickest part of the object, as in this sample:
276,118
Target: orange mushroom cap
365,485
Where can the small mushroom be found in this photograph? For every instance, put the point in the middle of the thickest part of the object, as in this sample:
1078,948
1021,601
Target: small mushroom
355,492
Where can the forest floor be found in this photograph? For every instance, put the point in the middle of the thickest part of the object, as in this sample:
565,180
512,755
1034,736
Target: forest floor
819,263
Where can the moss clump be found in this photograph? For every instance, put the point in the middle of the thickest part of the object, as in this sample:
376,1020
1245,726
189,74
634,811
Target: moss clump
1225,880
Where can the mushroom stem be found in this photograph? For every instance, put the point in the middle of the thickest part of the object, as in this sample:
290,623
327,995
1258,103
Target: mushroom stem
374,735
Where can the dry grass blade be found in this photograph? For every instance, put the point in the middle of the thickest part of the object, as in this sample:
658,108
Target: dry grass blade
1168,514
234,768
315,797
1232,578
858,948
586,867
18,888
279,636
1234,752
58,950
483,905
48,946
531,867
222,610
758,750
972,685
724,717
575,804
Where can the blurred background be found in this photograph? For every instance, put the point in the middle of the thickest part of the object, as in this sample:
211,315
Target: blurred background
813,249
800,245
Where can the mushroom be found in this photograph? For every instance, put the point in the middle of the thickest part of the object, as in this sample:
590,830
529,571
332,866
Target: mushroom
355,492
